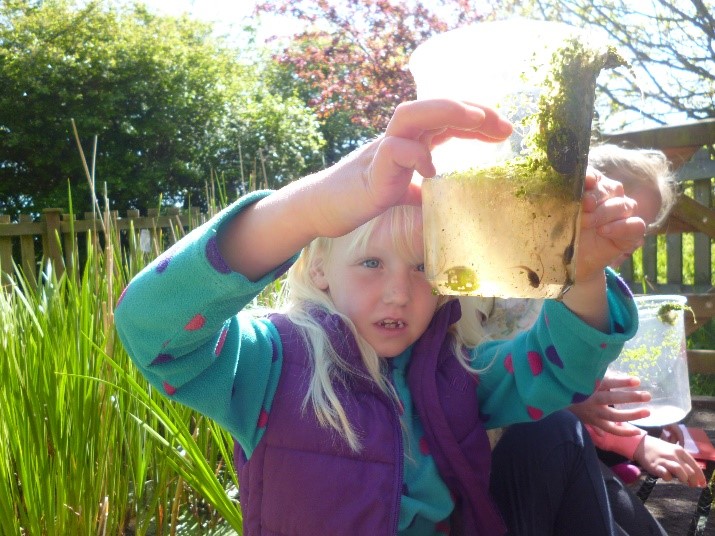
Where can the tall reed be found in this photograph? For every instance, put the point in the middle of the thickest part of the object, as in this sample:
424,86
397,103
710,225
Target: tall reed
88,447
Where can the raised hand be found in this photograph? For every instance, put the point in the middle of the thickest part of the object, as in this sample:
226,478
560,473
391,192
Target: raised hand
381,174
609,230
598,412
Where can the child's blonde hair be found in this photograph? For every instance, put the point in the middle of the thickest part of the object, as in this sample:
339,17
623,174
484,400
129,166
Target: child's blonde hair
636,168
300,295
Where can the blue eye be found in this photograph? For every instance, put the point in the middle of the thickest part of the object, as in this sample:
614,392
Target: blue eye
371,263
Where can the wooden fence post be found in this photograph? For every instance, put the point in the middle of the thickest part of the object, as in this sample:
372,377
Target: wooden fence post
69,244
5,253
27,253
52,238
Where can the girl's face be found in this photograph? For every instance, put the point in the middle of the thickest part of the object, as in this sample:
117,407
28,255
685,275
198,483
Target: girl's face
384,294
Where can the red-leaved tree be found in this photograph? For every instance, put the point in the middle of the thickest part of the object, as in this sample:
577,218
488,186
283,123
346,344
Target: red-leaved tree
352,55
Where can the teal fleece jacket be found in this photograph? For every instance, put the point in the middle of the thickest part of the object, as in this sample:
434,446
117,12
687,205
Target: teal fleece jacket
186,322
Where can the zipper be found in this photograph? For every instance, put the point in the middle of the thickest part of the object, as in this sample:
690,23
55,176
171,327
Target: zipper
400,456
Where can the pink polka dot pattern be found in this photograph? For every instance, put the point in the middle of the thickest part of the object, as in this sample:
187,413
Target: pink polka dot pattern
263,419
535,363
442,527
283,268
553,356
424,447
274,355
603,346
509,364
625,289
219,344
169,389
578,398
534,413
196,323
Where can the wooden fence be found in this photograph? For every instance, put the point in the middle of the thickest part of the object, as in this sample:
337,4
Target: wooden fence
55,236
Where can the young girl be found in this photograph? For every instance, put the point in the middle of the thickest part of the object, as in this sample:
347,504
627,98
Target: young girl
358,408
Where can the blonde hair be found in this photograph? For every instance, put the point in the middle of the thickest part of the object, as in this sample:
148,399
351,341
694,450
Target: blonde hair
300,295
638,167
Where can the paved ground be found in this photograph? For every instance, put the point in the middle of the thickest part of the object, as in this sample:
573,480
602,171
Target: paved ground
673,503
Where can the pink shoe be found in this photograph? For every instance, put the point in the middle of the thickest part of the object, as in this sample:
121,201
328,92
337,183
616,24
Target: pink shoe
627,472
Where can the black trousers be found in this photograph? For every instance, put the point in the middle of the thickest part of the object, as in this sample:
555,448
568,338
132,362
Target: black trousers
547,480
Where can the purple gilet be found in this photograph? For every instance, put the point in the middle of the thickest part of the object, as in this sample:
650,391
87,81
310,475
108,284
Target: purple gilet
303,478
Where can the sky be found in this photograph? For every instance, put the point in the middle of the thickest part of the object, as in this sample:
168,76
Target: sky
228,16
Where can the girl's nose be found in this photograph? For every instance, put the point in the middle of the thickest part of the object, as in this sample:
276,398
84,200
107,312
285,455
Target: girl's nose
397,290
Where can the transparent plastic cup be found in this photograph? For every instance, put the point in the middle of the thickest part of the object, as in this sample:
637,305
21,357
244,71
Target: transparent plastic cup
501,219
657,355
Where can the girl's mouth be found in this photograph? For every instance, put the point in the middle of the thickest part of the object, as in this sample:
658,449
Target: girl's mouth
391,324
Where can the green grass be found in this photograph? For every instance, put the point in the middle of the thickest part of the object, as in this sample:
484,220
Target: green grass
88,447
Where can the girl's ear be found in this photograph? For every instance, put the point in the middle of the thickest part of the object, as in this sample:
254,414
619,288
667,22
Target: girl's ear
317,273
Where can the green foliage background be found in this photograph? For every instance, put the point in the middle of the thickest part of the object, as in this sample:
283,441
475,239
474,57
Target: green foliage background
167,102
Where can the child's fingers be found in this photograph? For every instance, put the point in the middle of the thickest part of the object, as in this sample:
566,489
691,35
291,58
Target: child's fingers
600,187
444,118
623,397
614,380
626,235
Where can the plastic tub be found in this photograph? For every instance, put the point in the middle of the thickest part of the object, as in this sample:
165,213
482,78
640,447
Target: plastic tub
502,219
657,355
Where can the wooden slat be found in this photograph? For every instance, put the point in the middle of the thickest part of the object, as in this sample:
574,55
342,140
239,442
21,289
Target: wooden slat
5,252
697,216
27,254
703,307
701,361
692,134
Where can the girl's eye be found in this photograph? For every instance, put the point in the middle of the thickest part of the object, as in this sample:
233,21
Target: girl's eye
371,263
420,267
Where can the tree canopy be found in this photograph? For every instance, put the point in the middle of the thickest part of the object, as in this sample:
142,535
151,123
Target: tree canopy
167,102
670,45
170,104
350,58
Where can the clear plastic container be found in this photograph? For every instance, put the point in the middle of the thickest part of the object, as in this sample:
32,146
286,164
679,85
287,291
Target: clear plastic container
657,355
501,219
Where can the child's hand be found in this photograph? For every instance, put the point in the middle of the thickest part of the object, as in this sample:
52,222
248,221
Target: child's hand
337,200
416,128
608,228
598,412
380,175
668,461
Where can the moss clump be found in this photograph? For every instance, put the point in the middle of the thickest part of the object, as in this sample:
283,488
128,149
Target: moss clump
525,177
667,313
554,130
